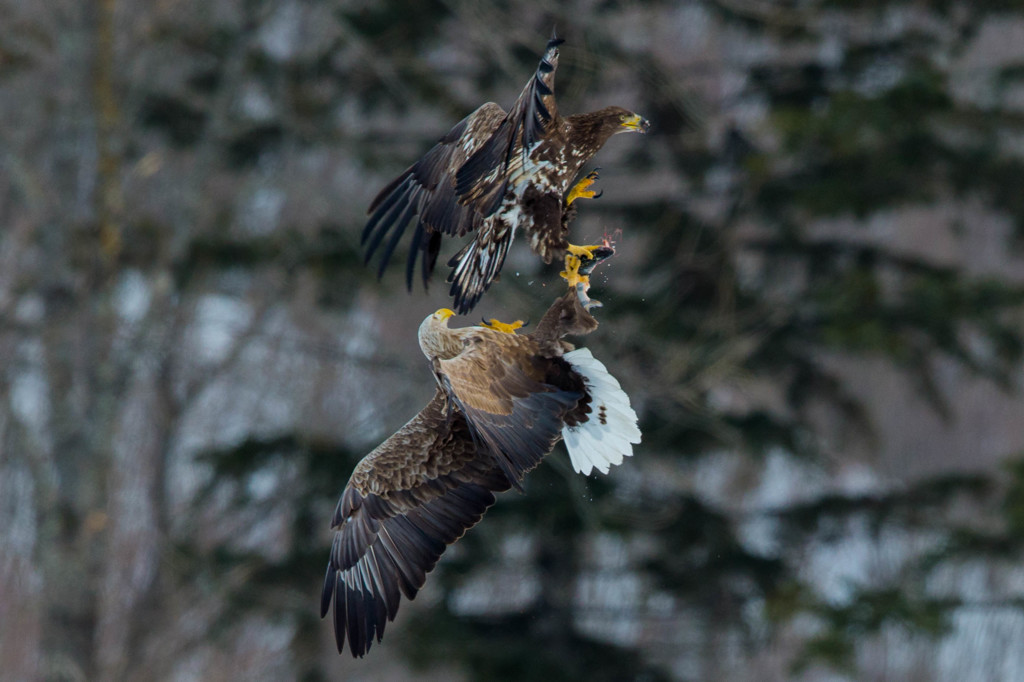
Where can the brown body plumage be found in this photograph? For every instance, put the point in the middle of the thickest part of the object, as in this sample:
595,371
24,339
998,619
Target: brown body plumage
500,406
516,392
493,173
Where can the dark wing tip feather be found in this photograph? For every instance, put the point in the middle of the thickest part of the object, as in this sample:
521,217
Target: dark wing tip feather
469,281
554,40
423,194
464,300
328,589
392,213
400,224
414,253
360,615
340,627
385,547
432,247
391,218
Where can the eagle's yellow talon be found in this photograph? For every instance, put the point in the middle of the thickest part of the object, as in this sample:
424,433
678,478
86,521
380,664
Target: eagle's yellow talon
506,327
583,252
580,191
583,280
571,274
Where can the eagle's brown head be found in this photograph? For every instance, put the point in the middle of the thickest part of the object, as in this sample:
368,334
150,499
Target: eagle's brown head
589,132
622,121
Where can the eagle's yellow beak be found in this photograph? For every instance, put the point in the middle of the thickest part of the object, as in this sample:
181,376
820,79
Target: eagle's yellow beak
636,123
444,314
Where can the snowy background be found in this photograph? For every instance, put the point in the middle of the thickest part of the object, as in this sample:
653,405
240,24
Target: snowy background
815,308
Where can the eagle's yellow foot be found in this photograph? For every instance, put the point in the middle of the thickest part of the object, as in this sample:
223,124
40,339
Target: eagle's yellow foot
571,274
578,268
507,327
583,252
581,189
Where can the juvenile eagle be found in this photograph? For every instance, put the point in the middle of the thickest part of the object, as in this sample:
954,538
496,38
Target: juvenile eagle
492,173
503,401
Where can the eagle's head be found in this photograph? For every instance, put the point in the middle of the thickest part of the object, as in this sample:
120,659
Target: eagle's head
589,132
624,121
433,336
442,315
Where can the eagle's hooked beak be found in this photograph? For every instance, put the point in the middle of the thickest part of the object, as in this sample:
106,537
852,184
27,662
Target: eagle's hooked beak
443,314
636,123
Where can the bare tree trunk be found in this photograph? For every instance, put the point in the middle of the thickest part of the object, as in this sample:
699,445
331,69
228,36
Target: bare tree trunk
133,532
20,579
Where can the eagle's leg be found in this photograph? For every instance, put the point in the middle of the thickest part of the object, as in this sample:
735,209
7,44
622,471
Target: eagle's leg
507,327
578,268
581,190
571,274
574,256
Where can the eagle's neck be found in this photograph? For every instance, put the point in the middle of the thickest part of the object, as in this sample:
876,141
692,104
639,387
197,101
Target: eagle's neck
587,133
439,342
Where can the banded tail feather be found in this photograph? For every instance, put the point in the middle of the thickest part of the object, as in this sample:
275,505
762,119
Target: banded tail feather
474,267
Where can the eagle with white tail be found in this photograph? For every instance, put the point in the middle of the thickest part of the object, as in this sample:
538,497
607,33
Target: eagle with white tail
503,402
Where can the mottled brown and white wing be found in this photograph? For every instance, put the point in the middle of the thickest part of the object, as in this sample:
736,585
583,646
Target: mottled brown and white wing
482,178
514,397
484,182
425,193
406,501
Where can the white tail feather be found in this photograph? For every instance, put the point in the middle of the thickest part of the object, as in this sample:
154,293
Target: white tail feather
607,436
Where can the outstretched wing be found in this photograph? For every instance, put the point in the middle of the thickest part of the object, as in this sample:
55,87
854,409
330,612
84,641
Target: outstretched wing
409,499
425,192
514,399
482,178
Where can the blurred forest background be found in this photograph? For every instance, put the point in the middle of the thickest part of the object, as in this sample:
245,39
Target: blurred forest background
815,306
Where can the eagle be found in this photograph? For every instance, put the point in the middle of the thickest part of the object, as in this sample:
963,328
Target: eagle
503,401
493,173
